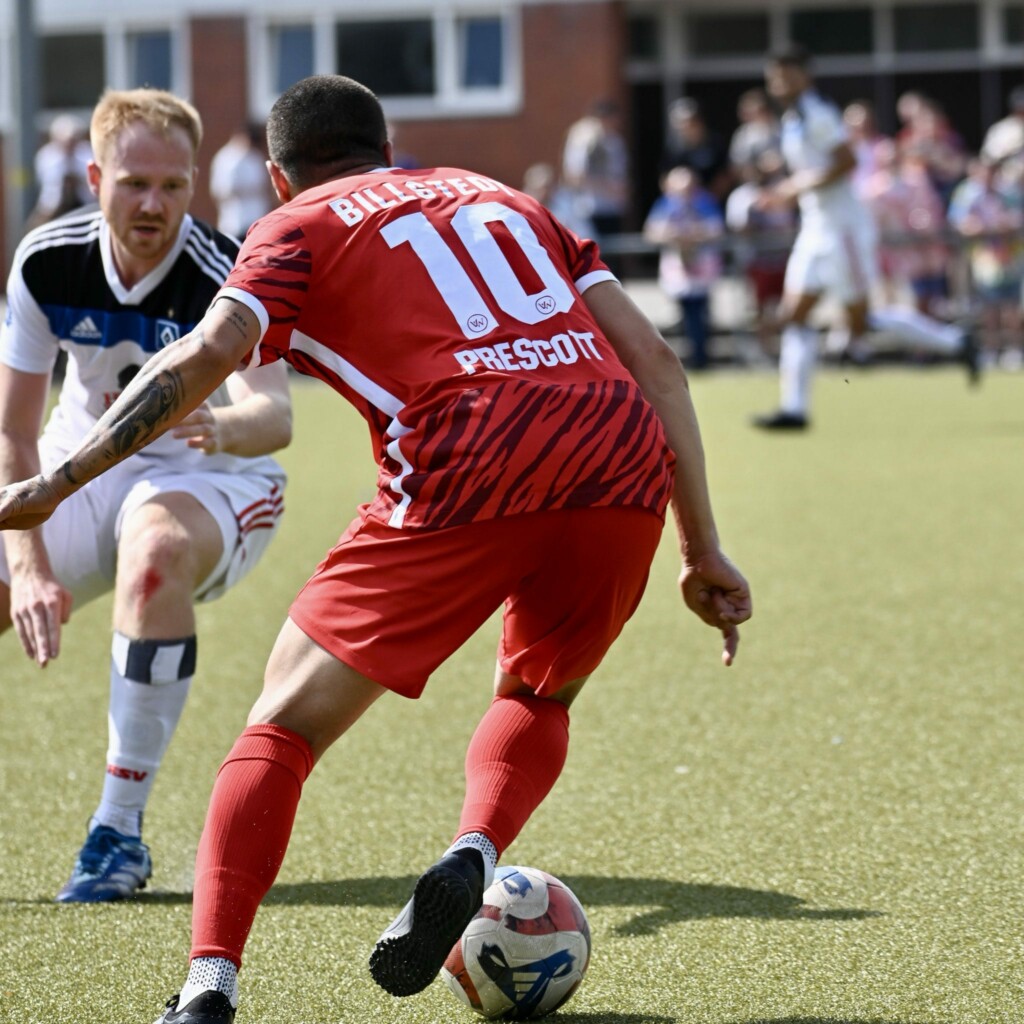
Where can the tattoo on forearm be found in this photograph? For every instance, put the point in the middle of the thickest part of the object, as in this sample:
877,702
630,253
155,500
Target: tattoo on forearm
154,401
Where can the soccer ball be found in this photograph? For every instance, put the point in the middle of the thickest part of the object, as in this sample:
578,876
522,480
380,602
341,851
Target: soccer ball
525,952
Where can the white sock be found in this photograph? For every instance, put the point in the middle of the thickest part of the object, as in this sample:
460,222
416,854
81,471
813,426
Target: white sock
210,973
478,841
918,328
147,696
797,355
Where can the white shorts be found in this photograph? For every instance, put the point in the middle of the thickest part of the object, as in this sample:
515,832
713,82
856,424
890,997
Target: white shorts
841,262
82,535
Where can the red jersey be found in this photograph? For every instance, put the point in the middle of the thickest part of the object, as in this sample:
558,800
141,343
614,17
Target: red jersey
446,307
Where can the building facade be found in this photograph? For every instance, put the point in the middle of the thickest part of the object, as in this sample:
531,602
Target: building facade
494,84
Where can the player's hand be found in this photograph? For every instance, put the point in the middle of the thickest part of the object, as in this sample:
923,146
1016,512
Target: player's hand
39,607
28,503
715,590
199,430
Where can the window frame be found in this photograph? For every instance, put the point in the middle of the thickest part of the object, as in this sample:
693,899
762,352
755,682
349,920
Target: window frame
116,38
675,65
450,99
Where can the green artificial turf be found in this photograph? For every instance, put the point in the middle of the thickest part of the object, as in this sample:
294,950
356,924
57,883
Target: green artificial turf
830,832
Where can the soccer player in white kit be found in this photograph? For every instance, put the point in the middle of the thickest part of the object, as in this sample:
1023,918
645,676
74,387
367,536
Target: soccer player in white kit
180,523
835,252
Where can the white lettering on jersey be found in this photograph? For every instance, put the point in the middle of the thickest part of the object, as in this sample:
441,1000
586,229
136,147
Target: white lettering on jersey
379,200
348,211
527,354
441,185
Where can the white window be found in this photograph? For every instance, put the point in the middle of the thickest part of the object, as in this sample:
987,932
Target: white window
292,55
150,59
77,65
72,70
429,63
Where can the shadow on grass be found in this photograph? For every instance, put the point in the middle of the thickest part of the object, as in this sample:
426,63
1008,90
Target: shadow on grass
666,902
611,1018
823,1020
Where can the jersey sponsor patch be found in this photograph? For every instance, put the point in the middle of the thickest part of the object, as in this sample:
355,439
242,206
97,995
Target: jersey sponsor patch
167,331
86,328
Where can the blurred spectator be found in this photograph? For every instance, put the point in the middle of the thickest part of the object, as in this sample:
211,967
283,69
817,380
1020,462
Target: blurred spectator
758,133
865,140
686,222
908,107
983,213
911,220
595,166
690,143
766,231
927,130
239,182
61,169
1004,141
541,181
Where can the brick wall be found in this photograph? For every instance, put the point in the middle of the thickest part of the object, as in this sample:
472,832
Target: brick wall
572,55
219,88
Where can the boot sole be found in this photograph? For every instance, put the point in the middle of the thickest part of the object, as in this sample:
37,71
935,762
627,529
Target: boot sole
443,905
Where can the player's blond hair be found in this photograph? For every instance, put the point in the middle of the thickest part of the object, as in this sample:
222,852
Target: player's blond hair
156,108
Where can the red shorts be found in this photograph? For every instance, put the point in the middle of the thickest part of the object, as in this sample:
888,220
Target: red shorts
767,282
394,604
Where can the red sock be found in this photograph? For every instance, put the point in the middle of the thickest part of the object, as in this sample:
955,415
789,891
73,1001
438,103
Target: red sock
513,760
245,836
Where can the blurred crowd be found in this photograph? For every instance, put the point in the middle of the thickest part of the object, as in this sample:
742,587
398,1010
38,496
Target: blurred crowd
949,219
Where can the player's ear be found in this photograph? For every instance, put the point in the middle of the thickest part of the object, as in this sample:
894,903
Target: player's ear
282,186
92,173
389,154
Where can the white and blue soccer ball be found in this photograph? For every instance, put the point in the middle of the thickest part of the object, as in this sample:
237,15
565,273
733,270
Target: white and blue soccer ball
526,951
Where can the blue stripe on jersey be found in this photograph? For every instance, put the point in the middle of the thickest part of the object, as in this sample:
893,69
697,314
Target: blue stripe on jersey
105,330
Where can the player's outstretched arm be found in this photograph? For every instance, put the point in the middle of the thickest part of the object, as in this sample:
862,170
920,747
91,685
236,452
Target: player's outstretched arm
170,385
39,605
711,586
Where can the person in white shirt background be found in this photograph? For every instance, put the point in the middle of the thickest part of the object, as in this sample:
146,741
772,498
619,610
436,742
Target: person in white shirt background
61,170
835,251
239,183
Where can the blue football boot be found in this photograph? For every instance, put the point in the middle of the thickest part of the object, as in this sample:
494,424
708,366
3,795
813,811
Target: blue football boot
110,866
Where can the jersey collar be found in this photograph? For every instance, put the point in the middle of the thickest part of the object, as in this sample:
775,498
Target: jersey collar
141,289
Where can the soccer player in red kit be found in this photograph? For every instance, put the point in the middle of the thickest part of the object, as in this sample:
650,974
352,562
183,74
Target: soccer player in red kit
531,427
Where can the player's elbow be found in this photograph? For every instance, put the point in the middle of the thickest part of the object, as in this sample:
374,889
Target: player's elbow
653,364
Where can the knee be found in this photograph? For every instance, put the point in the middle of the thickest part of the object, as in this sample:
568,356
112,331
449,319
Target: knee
153,553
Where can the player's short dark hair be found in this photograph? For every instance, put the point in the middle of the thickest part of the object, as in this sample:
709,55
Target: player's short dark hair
323,125
793,55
